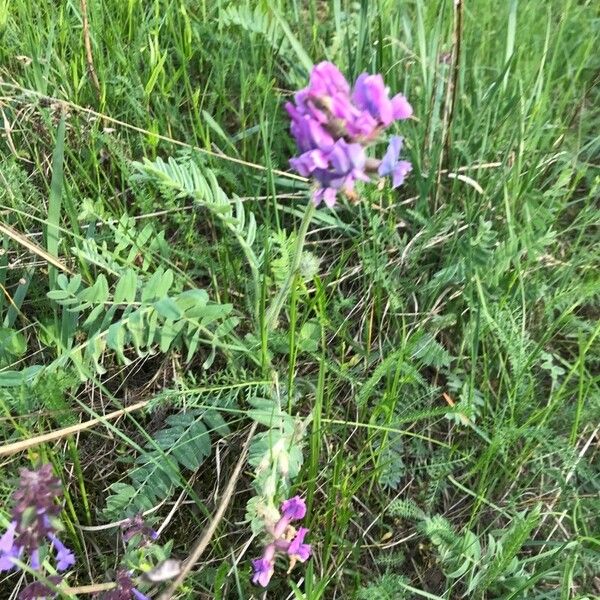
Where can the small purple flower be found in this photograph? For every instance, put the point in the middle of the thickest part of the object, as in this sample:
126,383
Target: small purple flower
390,165
370,94
136,526
125,589
64,557
327,94
308,132
35,559
263,571
327,78
8,549
346,164
294,509
308,162
325,194
264,567
298,549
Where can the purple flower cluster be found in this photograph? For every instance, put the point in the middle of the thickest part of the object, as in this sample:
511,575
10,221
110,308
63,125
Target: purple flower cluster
35,523
285,539
333,125
136,527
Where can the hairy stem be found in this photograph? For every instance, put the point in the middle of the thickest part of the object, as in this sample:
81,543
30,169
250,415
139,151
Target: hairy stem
277,304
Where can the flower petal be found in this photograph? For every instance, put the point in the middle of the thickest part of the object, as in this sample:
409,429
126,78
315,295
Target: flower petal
401,109
64,557
390,158
298,549
400,171
263,571
329,195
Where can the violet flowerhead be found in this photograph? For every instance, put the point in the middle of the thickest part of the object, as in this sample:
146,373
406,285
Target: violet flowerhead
334,125
284,539
35,506
34,521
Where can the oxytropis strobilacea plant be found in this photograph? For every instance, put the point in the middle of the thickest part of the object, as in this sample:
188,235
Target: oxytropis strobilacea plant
285,539
34,527
335,125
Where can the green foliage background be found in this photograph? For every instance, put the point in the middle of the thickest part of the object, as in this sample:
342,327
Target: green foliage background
435,369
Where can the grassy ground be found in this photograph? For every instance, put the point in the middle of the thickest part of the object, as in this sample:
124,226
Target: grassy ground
441,347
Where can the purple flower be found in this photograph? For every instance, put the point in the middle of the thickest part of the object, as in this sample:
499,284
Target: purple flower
298,549
8,549
390,165
64,557
35,559
328,79
263,571
333,126
293,509
137,527
308,162
307,131
125,589
327,195
264,567
327,94
370,94
346,164
401,109
35,521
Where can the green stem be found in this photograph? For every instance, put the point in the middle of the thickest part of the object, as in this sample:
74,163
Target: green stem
277,304
252,262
